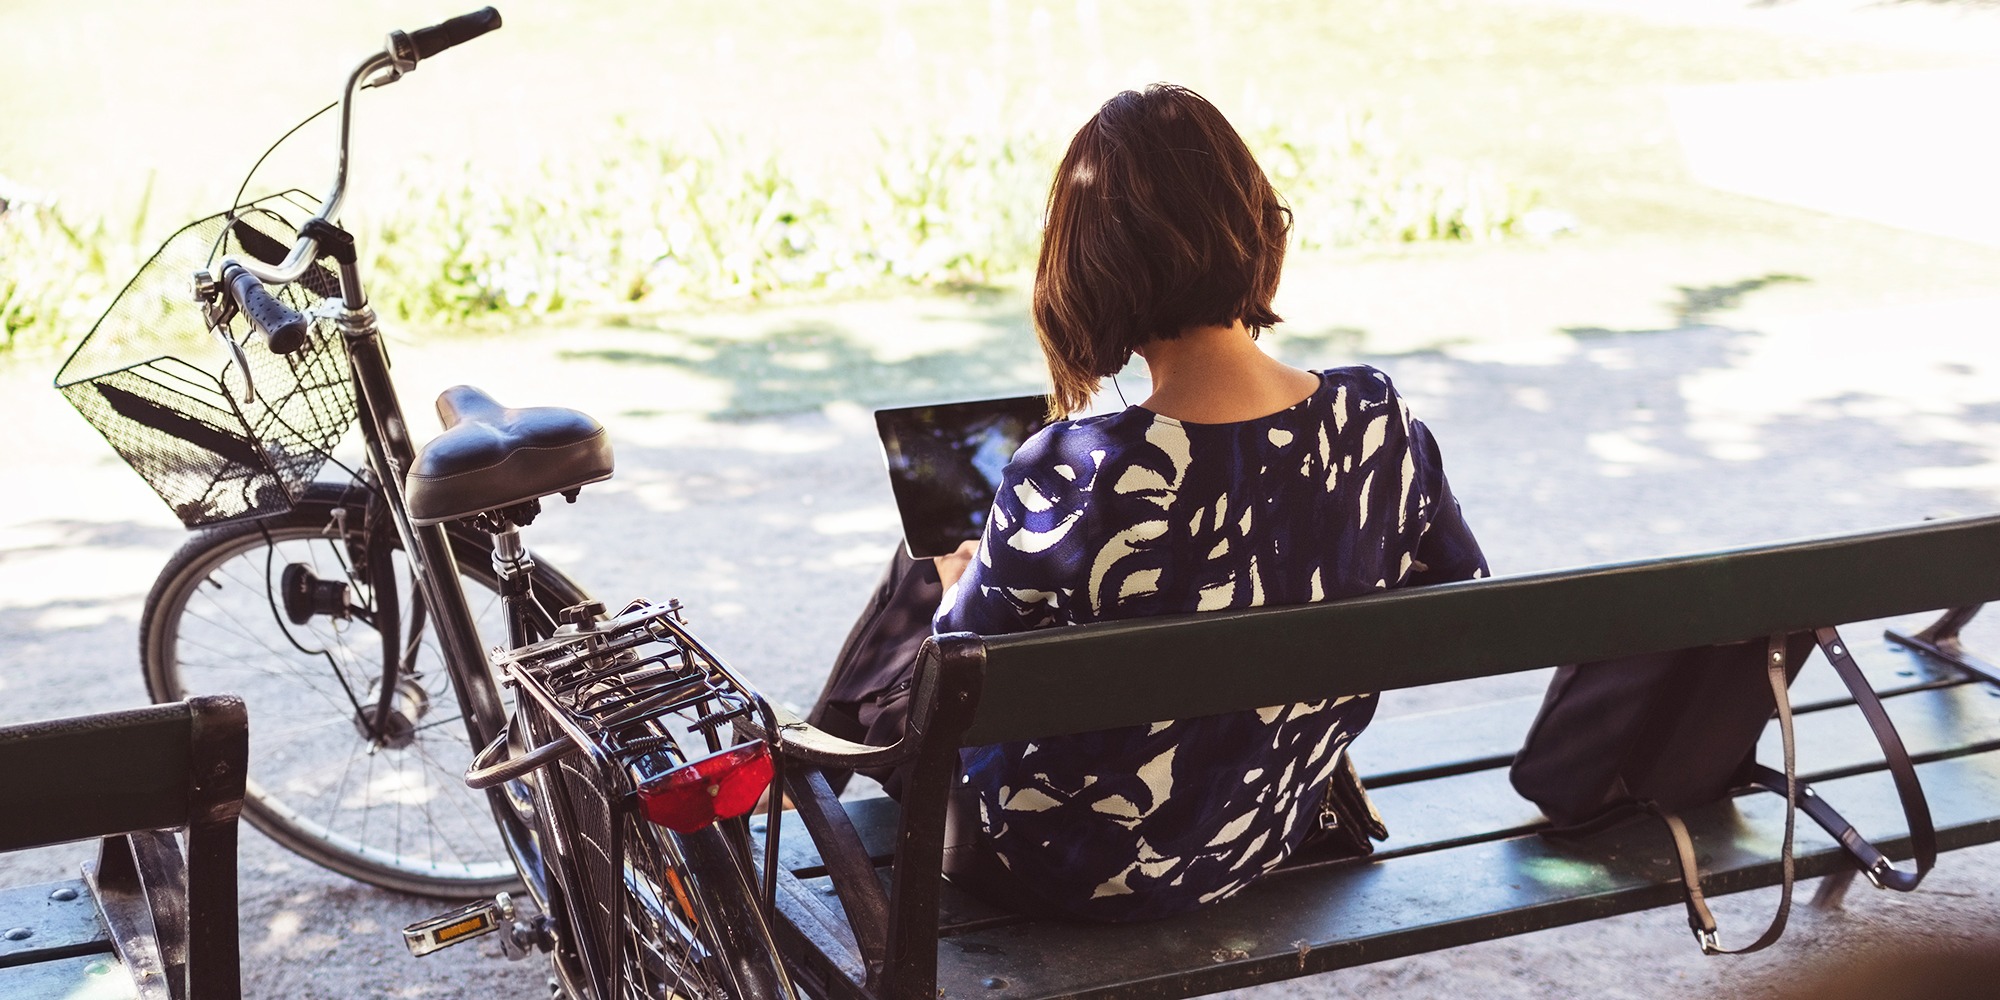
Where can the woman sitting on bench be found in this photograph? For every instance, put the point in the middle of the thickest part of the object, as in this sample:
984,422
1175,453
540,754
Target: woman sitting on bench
1239,482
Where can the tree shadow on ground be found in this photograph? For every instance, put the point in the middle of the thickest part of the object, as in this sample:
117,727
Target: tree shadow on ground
806,365
1697,305
70,535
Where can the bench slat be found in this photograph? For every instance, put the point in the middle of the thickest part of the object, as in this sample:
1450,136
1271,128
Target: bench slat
1135,672
1439,809
1441,813
1414,746
1317,919
81,977
1833,741
60,918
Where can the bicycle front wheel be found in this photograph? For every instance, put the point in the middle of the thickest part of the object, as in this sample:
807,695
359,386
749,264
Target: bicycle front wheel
383,802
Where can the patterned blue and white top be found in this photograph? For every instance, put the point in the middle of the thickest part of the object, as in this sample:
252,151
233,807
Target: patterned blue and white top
1135,514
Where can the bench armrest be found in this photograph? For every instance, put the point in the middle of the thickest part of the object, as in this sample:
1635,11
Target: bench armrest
802,741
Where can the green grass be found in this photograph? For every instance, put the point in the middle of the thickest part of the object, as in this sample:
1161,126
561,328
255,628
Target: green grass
645,224
1469,110
56,276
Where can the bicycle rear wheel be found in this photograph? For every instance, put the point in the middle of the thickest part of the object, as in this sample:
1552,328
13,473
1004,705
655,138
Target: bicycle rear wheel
642,912
692,925
395,812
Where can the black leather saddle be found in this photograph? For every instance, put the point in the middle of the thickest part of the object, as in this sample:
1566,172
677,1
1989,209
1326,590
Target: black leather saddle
491,456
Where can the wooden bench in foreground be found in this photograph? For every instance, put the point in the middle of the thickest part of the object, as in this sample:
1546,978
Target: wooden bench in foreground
865,913
146,920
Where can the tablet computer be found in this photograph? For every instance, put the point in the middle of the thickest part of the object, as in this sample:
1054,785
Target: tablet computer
945,462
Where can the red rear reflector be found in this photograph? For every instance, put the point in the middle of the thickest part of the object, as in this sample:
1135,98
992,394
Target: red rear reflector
719,786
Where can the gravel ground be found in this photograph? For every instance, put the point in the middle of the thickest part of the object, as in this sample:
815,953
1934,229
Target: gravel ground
1565,451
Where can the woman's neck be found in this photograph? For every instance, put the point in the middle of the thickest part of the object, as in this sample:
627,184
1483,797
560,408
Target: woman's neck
1218,375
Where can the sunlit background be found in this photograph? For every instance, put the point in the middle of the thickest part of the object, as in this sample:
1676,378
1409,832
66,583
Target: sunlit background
1662,275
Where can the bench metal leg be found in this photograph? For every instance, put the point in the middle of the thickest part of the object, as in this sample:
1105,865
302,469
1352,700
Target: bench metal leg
126,867
1940,640
1833,890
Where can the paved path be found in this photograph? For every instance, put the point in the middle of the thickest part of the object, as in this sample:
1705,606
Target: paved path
1566,451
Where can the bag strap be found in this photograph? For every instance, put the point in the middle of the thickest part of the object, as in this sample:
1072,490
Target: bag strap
1916,809
1699,918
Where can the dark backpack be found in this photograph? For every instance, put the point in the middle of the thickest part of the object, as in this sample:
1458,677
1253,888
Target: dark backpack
1664,732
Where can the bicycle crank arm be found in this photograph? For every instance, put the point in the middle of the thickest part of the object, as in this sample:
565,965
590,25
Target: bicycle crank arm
478,919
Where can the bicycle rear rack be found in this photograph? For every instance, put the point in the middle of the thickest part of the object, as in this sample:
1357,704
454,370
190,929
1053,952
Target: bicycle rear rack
623,700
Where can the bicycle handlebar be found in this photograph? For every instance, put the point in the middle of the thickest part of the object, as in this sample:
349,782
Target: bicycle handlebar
395,59
280,322
456,31
245,276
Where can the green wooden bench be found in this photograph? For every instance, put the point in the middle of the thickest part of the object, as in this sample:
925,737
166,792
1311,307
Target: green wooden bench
866,914
146,920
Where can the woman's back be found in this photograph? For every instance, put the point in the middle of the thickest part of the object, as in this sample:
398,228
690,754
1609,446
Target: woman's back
1240,482
1137,514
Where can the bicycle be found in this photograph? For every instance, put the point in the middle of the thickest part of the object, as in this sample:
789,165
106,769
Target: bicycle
619,776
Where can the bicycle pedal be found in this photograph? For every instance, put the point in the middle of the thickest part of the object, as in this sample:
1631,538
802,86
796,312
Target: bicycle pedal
475,919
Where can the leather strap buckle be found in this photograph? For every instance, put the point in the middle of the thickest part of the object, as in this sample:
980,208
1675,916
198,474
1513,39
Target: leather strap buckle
1710,945
1875,872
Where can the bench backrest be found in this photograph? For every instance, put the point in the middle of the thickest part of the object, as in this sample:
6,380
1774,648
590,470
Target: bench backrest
96,775
124,776
1091,677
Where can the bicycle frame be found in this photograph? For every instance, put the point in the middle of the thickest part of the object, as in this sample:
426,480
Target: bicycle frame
389,450
439,603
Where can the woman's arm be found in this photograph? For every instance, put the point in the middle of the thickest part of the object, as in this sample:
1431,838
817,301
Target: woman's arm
1446,551
1024,569
953,564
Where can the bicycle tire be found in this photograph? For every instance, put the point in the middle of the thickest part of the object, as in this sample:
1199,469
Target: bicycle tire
212,623
666,954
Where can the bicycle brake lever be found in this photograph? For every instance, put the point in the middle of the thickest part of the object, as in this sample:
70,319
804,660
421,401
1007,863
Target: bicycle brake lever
402,54
218,309
242,363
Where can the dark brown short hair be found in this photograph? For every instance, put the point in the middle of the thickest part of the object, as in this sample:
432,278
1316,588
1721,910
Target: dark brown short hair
1159,221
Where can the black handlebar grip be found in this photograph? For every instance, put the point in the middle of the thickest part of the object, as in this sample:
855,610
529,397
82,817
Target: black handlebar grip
463,28
286,328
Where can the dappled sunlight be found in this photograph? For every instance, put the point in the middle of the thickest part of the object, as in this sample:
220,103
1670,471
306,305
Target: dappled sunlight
653,489
720,575
90,615
412,787
1547,349
768,440
76,571
779,361
873,519
1564,873
1534,399
853,557
1929,373
1626,451
282,929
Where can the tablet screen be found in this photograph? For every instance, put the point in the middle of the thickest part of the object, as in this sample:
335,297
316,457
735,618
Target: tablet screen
945,463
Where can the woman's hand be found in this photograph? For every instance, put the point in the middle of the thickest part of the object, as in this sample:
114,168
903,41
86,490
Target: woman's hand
952,566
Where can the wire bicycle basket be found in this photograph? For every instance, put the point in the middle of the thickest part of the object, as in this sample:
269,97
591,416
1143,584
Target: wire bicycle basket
154,380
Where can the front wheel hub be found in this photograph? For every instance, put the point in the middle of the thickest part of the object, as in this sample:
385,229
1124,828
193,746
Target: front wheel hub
407,707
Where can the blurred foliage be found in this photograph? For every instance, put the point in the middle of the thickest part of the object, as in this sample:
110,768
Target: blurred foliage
644,225
56,277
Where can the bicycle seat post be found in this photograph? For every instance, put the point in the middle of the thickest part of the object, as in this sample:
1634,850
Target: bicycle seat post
514,568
